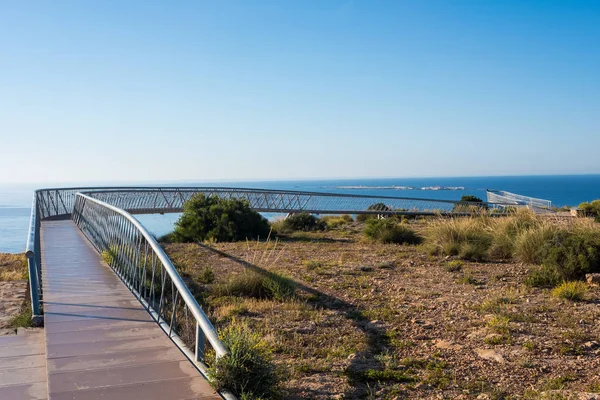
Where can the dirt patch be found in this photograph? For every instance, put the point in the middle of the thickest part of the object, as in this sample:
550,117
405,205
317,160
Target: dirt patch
390,321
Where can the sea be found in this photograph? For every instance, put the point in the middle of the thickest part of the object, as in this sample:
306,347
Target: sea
562,190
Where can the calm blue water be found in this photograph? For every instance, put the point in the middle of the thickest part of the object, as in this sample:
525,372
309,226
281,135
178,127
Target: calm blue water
15,200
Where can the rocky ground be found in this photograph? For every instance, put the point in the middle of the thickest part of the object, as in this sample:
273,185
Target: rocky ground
13,289
391,321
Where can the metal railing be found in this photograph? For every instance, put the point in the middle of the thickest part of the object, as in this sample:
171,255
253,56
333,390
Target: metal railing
59,203
154,200
142,265
501,196
34,263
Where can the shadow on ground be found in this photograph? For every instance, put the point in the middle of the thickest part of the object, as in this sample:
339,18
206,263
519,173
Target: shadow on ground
376,337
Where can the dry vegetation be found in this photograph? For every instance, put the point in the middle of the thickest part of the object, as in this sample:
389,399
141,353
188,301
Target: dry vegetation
451,318
13,292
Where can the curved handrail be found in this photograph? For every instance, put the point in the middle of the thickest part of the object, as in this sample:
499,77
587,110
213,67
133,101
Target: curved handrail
34,262
142,264
59,203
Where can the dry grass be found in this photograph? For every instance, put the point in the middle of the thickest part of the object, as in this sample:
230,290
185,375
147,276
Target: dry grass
367,317
13,267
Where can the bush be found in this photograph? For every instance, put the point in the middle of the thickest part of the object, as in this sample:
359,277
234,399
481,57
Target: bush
569,252
573,254
222,220
574,291
470,203
542,277
506,230
389,231
303,222
468,238
252,284
372,207
247,370
530,244
337,221
591,209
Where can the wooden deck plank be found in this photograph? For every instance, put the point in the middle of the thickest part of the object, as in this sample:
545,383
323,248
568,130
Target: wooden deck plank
28,391
23,366
101,342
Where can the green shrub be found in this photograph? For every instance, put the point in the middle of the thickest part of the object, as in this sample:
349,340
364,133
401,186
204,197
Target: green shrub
373,207
573,254
389,231
470,203
252,284
303,222
453,266
574,291
109,255
222,220
247,370
279,287
542,277
206,275
24,318
591,209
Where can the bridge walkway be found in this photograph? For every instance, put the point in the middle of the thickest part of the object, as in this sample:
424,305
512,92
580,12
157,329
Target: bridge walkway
100,342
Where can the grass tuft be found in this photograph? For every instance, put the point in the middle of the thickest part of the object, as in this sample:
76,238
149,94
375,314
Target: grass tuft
574,291
254,285
247,370
390,231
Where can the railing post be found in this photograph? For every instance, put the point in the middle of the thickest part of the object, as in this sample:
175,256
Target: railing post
34,290
199,343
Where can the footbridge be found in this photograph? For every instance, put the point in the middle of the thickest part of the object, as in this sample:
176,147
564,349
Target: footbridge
119,321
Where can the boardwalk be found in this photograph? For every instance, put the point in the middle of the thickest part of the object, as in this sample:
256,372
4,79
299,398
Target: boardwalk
100,342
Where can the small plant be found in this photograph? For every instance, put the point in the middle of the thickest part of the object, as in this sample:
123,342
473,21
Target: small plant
109,255
389,231
279,287
574,291
558,383
23,319
312,265
529,345
467,279
453,266
499,324
247,370
206,275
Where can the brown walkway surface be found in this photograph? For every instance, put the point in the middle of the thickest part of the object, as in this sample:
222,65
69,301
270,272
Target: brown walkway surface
23,366
100,342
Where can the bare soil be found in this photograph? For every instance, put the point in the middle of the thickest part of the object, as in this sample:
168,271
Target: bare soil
390,321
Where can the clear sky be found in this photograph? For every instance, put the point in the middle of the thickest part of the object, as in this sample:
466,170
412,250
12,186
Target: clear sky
234,90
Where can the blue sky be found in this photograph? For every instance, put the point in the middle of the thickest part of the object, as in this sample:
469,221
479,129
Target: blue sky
253,90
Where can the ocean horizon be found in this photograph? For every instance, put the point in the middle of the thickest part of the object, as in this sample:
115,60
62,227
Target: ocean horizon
562,190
